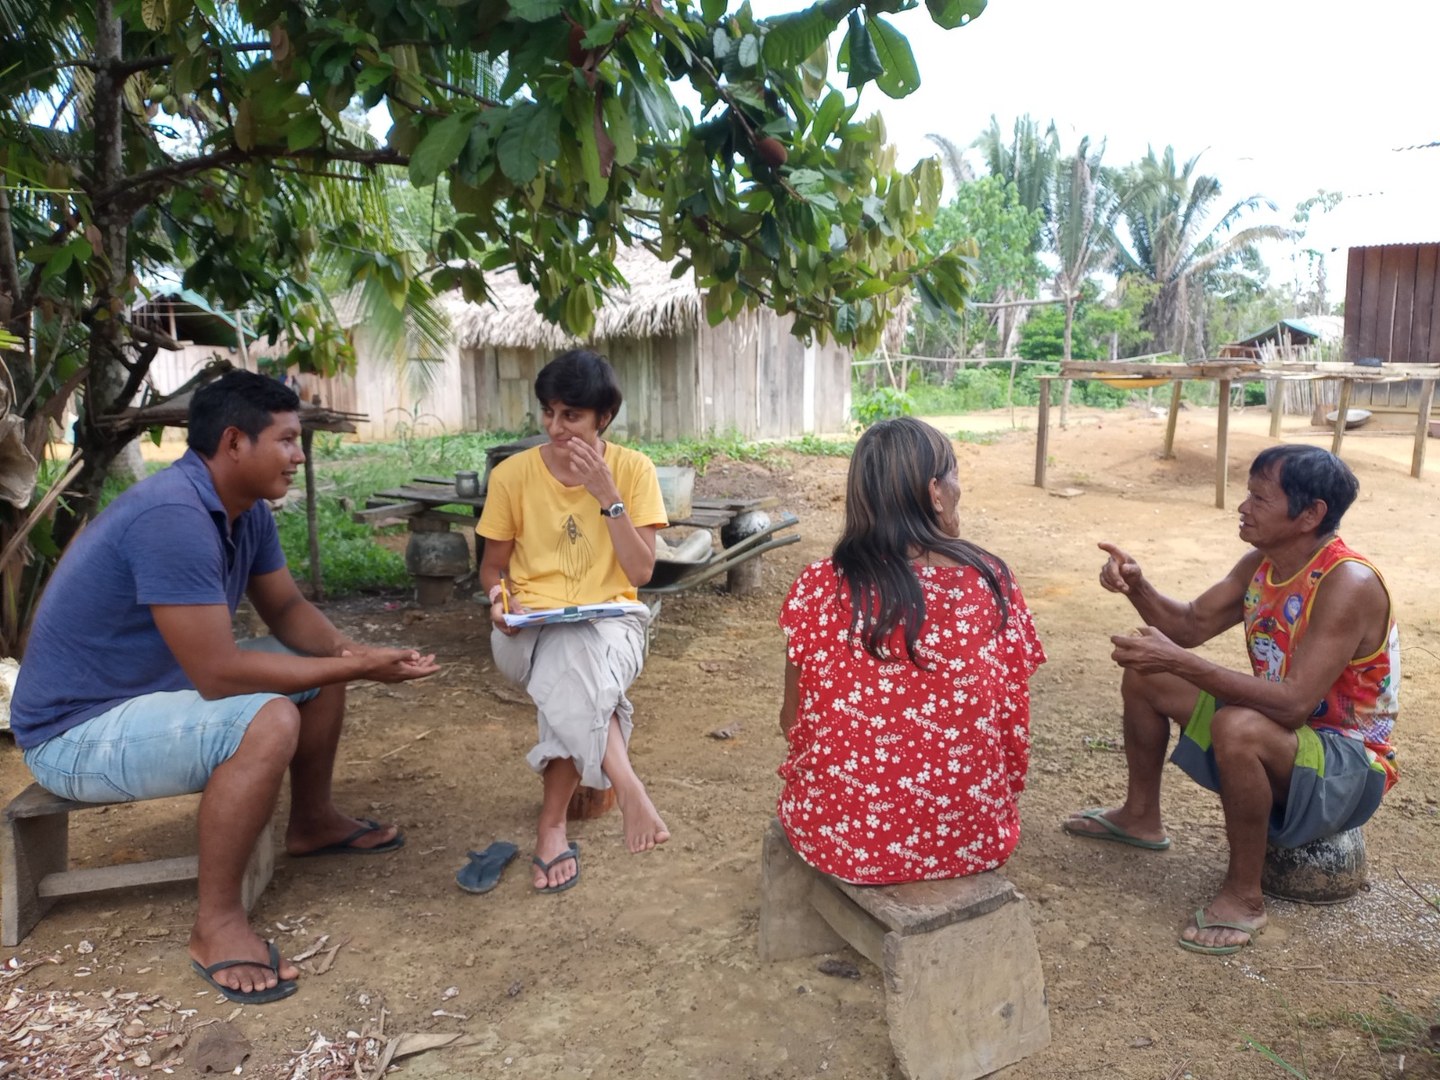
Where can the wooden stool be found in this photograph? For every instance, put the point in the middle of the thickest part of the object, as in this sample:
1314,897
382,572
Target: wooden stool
1324,871
35,863
964,993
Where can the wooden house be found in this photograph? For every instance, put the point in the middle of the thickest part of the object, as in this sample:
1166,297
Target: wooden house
681,377
1392,314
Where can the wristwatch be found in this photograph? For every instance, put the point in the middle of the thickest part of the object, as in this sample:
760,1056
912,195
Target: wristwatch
613,510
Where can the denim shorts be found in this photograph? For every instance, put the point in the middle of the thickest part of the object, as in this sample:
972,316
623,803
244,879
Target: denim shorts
151,746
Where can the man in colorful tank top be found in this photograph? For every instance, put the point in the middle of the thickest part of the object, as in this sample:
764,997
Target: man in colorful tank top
1299,747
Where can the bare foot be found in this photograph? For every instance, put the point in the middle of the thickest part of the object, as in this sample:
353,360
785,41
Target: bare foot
550,843
1226,908
643,827
234,940
1083,823
303,837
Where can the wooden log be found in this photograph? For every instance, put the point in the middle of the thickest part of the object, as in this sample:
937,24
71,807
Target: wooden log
1346,385
1222,445
588,803
1277,406
744,578
1042,432
1422,427
1171,418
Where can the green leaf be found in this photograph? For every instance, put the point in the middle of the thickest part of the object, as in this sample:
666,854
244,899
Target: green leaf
749,52
590,164
901,76
858,56
953,13
536,10
440,148
621,131
529,138
827,116
713,10
789,39
304,131
152,14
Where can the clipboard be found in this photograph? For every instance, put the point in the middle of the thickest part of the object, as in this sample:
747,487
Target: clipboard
575,613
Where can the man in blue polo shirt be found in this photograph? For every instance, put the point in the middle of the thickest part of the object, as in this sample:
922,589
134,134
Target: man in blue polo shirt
134,687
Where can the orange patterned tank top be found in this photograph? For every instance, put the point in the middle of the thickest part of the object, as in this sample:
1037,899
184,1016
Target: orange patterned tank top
1365,699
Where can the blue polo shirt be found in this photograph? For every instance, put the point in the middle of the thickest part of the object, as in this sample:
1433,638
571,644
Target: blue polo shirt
93,643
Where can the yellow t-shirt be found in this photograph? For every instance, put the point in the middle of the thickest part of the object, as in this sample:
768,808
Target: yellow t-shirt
563,553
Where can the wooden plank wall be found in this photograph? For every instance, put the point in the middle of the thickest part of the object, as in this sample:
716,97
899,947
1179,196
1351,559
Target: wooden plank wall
1392,304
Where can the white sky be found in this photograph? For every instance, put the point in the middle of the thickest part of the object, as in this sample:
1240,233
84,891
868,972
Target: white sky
1281,97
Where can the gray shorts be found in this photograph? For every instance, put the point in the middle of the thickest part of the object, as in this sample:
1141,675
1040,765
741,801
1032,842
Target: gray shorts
1336,783
577,675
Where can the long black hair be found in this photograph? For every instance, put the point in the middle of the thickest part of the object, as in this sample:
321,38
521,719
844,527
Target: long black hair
890,519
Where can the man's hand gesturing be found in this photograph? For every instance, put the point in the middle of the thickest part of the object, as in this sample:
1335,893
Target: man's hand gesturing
1121,573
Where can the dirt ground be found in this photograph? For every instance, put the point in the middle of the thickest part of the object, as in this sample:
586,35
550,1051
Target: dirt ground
649,968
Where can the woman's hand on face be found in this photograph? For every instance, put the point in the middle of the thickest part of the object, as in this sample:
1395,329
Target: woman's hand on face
588,464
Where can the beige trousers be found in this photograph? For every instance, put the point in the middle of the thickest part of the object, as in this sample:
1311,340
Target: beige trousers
577,675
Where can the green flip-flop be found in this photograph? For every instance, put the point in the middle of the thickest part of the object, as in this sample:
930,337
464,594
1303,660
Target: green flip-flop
1112,831
1250,931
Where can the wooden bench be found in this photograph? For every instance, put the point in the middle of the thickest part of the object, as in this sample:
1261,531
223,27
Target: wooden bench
964,993
35,863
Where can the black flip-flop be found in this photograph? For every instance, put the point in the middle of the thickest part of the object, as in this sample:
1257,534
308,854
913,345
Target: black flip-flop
282,989
573,852
347,846
482,872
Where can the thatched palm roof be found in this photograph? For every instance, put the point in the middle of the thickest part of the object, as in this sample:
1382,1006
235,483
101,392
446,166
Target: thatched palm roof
655,305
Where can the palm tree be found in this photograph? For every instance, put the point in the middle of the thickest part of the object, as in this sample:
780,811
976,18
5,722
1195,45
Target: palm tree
1079,231
1027,160
1084,207
1167,241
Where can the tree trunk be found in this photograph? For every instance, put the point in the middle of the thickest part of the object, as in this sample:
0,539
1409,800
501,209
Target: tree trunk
1069,325
312,527
106,381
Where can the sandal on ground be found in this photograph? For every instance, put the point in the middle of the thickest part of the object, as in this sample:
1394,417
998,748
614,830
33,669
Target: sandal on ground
482,872
1112,831
282,989
1250,930
572,853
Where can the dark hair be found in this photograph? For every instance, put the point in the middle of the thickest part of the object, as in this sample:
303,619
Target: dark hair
1308,474
582,379
238,399
889,516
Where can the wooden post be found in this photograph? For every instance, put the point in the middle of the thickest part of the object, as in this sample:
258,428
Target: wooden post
1341,416
1222,445
1170,419
1277,406
1042,431
1422,427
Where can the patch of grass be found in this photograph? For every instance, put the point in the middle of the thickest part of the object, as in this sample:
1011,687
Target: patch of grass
698,453
980,438
350,559
814,446
1396,1029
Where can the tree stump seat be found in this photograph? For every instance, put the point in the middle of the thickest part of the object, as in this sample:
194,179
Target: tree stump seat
964,992
35,863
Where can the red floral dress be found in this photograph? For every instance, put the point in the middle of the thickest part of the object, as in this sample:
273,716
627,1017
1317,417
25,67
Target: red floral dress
896,773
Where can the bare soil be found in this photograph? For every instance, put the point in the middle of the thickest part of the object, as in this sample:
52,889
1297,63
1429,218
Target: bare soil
649,969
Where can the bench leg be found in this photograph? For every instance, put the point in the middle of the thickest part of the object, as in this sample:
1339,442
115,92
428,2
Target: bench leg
30,848
967,999
789,926
259,870
745,578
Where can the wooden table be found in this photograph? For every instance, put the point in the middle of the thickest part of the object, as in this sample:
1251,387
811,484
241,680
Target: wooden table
1225,373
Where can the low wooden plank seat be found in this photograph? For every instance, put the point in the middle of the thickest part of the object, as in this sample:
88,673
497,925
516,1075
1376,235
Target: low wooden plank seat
35,863
964,992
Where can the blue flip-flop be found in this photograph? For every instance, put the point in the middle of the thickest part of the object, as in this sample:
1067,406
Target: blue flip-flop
348,846
482,872
282,989
573,852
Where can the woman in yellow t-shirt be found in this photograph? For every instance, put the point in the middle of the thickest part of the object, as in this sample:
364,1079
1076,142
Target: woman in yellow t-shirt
573,521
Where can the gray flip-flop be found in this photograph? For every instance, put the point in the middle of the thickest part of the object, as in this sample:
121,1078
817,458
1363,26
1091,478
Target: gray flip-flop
573,852
482,872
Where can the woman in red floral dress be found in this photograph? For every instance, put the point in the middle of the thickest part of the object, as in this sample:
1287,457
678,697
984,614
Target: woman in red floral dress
907,703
